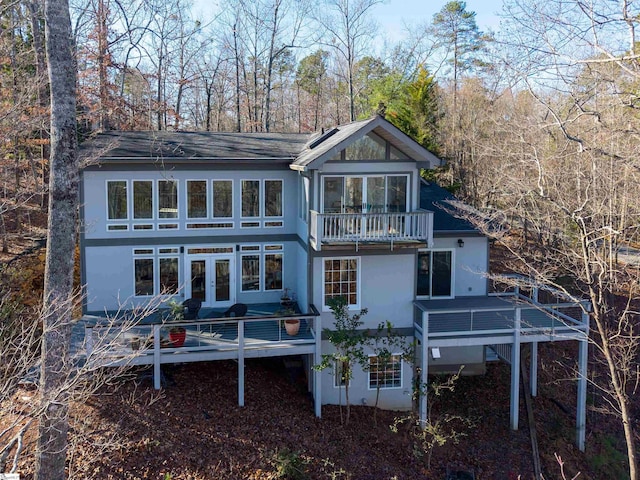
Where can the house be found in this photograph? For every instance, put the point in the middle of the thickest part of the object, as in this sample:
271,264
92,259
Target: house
244,217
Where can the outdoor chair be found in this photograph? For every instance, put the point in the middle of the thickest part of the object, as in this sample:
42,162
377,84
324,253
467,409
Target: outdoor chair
236,310
192,308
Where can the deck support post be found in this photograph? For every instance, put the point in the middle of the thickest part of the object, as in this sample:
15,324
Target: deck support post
533,374
317,374
157,377
241,363
515,371
581,407
424,373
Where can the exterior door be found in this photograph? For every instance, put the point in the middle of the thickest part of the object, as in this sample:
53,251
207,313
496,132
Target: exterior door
211,280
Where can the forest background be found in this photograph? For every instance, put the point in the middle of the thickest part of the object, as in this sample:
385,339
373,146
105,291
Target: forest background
537,120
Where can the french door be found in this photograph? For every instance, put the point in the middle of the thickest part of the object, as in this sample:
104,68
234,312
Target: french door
211,279
365,194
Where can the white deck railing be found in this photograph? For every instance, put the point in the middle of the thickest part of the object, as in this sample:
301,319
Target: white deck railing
370,227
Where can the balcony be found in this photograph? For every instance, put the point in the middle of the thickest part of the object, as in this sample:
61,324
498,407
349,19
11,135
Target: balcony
340,229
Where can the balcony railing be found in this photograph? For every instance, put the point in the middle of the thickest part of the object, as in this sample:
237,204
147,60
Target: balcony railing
327,228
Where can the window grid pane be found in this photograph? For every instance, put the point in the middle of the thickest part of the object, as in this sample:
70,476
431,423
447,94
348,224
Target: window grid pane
273,198
251,198
250,272
273,271
197,199
222,198
117,200
169,283
142,199
385,374
167,199
143,276
340,280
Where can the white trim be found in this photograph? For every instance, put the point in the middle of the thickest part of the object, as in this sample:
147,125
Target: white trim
153,205
223,219
260,270
106,196
260,201
154,272
177,182
325,308
208,199
264,199
382,387
365,177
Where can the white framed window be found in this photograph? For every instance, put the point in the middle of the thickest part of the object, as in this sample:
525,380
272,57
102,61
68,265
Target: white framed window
197,199
117,200
142,199
169,271
143,276
273,271
250,265
167,199
435,273
156,274
273,195
250,198
222,198
385,374
341,279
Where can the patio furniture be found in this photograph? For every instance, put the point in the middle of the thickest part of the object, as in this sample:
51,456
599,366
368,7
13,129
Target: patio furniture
192,308
236,310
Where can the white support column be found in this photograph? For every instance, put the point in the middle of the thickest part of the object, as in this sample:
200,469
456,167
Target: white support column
157,378
88,340
424,373
515,371
581,407
317,374
533,374
241,363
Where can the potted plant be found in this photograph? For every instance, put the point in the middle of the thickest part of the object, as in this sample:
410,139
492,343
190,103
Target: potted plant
287,300
291,325
177,334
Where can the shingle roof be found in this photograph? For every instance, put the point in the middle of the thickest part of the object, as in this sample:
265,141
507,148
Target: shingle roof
199,145
433,197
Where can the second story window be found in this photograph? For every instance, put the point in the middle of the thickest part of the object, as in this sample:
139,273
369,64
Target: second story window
250,198
167,199
222,199
117,200
142,199
273,198
196,199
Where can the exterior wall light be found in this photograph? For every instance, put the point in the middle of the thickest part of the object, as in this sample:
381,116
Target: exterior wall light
460,242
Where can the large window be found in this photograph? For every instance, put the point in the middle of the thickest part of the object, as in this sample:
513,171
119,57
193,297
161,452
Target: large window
435,273
117,200
273,198
196,199
341,280
385,373
250,273
250,198
156,274
142,199
365,194
169,283
143,277
222,198
273,271
167,199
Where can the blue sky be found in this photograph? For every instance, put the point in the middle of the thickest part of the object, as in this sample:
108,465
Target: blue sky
393,14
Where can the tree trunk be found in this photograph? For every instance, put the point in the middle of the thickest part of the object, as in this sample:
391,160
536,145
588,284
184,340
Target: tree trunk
62,224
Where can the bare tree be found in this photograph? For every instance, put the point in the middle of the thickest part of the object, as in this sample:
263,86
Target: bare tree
349,29
61,242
